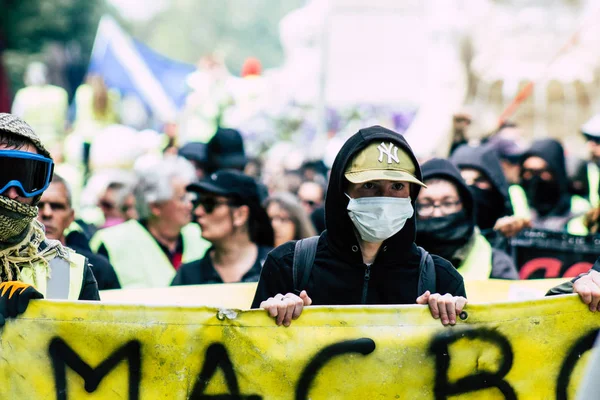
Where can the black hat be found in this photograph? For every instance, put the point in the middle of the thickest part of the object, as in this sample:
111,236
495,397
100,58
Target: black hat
246,191
194,151
226,150
229,183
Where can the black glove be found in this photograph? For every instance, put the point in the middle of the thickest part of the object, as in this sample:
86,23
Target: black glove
14,299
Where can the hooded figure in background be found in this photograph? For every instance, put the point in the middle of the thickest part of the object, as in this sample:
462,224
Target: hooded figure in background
367,254
482,172
544,191
446,225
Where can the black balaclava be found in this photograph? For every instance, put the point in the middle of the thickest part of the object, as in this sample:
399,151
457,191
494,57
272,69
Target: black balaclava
445,235
548,197
493,203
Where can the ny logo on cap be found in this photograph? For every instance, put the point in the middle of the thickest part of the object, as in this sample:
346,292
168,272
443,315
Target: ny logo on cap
390,151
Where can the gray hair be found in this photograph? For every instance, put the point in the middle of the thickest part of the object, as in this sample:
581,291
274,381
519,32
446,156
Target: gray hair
61,181
155,182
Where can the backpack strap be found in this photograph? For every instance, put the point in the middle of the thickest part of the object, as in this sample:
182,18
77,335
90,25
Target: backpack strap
427,274
304,258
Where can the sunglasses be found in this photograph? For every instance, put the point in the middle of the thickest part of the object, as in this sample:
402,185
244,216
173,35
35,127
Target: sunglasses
30,173
209,203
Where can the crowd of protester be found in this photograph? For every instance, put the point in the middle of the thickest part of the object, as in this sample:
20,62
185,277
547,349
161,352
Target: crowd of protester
148,211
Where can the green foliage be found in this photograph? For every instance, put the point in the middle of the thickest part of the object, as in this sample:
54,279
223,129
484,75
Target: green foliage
234,29
28,26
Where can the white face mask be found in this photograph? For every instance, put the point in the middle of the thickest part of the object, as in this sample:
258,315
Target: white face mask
379,218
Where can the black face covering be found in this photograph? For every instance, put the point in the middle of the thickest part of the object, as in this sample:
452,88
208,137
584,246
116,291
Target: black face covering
443,236
542,195
490,206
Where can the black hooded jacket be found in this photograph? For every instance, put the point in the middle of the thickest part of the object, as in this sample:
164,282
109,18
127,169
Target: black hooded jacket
553,153
503,266
485,160
339,276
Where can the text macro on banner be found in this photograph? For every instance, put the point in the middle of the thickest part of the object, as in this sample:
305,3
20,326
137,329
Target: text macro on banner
527,350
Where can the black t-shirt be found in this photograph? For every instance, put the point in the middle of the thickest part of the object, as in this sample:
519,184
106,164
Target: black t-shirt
203,271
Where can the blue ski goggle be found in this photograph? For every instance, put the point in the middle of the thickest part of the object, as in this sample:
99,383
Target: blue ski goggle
29,172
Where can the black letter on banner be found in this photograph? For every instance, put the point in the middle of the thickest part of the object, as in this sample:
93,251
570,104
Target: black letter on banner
362,346
63,355
483,380
216,356
582,345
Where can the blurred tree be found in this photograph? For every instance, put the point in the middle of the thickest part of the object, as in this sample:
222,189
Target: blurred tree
29,27
233,29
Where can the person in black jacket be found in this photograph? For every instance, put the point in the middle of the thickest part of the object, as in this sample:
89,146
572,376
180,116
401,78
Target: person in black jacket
229,211
367,254
446,225
481,170
55,212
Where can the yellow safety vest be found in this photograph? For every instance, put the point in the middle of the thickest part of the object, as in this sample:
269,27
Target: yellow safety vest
138,260
45,109
478,264
594,183
65,278
86,121
579,205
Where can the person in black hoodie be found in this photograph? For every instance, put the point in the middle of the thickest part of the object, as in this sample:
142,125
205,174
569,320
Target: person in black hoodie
367,254
543,195
229,211
482,172
446,225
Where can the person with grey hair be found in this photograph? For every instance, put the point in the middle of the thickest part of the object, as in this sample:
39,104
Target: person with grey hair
163,237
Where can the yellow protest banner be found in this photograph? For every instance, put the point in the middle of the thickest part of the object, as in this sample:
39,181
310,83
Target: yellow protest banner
523,350
240,295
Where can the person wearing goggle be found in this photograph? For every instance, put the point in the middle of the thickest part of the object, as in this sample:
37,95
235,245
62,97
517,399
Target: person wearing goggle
30,174
27,258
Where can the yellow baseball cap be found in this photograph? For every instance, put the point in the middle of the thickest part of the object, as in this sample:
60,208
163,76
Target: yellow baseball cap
382,161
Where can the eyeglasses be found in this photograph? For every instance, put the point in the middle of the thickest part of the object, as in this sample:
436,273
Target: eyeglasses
209,204
446,207
54,206
29,172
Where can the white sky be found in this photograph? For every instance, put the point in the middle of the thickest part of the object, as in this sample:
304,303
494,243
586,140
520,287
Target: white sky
138,9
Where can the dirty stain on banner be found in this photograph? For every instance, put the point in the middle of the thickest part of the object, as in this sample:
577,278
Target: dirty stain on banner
527,350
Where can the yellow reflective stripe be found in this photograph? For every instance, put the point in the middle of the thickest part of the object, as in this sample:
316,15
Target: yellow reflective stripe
478,264
518,199
594,183
77,262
